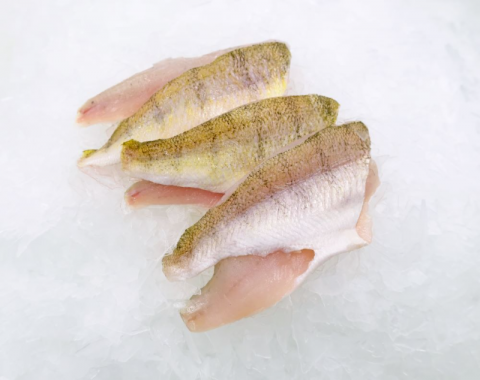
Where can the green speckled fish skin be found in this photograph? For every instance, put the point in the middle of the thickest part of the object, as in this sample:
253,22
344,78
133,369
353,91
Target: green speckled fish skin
298,199
238,77
216,154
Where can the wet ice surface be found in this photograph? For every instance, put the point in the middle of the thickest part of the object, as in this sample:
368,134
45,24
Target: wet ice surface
82,295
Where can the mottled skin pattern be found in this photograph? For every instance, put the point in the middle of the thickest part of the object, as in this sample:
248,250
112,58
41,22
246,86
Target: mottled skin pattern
238,77
216,154
287,203
125,98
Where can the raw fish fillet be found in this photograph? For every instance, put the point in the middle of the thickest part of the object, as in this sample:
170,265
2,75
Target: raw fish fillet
124,99
244,285
145,193
217,154
308,198
238,77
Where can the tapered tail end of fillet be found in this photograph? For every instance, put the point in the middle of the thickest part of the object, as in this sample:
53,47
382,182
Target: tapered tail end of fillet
80,119
130,198
103,157
133,195
175,267
167,267
88,114
86,159
186,316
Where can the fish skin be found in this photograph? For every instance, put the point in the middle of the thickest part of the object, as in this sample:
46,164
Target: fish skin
125,98
309,197
238,77
217,154
145,193
245,285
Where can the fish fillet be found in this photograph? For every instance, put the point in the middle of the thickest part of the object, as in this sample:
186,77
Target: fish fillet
244,285
124,99
238,77
307,197
217,154
145,193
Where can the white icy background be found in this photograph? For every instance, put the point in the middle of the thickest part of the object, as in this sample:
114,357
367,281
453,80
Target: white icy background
82,294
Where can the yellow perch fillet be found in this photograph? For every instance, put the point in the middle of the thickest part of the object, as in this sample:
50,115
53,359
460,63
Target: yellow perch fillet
245,285
221,151
309,197
235,78
124,99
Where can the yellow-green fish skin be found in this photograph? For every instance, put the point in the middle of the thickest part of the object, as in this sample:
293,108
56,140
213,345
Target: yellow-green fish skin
221,151
238,77
310,197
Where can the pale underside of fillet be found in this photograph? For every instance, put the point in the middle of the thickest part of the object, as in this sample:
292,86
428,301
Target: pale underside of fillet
245,285
145,193
309,197
235,78
218,153
124,99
